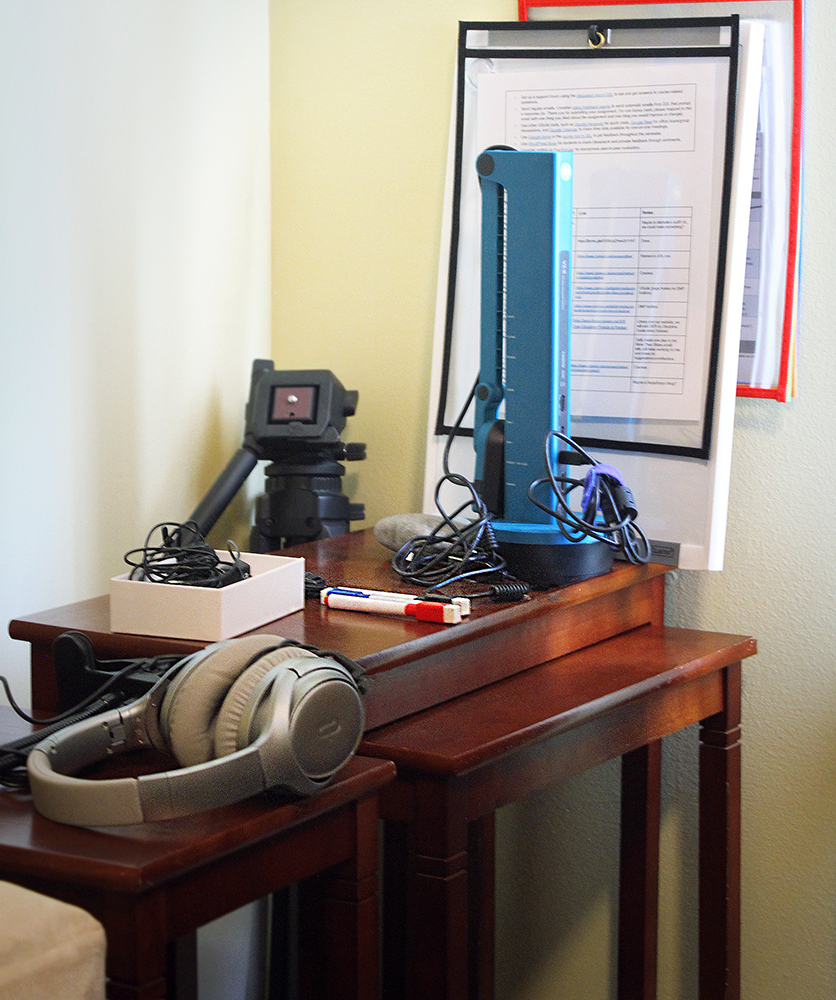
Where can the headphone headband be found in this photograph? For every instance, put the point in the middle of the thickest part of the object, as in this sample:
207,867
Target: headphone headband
304,708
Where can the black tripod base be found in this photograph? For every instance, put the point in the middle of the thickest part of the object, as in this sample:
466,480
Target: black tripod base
303,502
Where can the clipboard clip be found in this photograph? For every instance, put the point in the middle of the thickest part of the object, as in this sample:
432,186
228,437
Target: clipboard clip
596,38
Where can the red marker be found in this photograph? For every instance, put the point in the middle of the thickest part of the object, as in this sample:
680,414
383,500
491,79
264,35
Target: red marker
423,611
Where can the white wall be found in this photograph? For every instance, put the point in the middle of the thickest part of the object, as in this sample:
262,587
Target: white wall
134,295
134,276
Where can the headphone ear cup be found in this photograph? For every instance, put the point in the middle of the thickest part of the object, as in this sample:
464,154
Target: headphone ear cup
190,707
237,701
327,719
307,717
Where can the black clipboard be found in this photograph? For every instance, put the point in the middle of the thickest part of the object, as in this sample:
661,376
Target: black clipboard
671,372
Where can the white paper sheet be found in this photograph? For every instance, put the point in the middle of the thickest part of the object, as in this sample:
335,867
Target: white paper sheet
648,186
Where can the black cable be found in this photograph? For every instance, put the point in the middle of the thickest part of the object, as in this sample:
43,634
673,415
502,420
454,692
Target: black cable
13,754
101,690
608,513
510,590
354,668
314,584
452,552
184,558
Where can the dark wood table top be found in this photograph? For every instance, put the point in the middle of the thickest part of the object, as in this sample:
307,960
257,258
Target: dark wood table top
554,697
378,641
437,661
135,857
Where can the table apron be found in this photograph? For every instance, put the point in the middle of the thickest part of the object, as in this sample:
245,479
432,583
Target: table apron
404,688
531,768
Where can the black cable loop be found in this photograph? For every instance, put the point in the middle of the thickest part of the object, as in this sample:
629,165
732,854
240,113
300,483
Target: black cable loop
452,552
184,558
621,534
100,691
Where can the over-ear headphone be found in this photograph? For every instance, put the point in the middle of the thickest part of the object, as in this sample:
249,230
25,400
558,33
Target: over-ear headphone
240,716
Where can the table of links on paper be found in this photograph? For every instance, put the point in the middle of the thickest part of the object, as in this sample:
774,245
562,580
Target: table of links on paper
630,299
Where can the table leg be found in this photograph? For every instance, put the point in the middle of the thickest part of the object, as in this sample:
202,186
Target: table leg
182,968
719,862
639,872
339,921
482,905
138,956
397,860
408,878
438,921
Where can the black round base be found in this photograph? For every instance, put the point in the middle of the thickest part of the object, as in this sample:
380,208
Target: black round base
556,565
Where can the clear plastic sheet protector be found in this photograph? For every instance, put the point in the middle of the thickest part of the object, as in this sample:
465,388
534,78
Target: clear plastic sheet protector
662,121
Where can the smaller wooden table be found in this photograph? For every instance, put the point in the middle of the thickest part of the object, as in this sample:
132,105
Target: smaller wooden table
458,762
155,883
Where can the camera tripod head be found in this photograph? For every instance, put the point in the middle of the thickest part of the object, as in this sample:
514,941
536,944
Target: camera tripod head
295,415
293,420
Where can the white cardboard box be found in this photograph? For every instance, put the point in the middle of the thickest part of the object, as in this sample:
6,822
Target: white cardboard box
275,588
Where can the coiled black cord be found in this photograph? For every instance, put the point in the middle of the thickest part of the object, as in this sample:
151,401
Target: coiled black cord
608,513
509,590
183,557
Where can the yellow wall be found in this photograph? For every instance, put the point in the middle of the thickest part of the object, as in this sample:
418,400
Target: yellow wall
361,113
361,96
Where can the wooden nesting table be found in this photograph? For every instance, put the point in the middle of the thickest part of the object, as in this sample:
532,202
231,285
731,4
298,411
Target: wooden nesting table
488,711
460,761
152,885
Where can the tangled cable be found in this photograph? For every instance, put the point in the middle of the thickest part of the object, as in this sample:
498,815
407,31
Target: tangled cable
184,558
453,551
608,512
13,755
